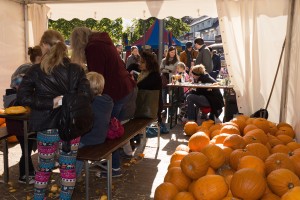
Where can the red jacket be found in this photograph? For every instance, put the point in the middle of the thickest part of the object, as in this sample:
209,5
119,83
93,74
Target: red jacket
102,57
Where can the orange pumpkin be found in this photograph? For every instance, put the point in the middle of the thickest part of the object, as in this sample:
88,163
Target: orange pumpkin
190,128
242,117
182,147
292,194
249,121
214,133
198,141
259,135
270,196
281,181
252,162
210,187
273,128
184,196
293,145
234,141
283,124
215,155
2,121
178,155
280,148
178,178
235,157
208,123
248,128
191,186
285,139
259,150
241,123
165,191
215,127
204,130
230,129
247,184
295,158
227,151
286,131
273,141
262,123
278,161
194,165
175,163
219,139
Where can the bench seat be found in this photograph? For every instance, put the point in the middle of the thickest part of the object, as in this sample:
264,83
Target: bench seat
105,150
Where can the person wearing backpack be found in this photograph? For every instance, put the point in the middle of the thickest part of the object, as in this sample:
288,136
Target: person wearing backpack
41,89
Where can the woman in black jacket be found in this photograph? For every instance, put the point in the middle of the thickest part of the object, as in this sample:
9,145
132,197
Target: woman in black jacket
42,89
203,97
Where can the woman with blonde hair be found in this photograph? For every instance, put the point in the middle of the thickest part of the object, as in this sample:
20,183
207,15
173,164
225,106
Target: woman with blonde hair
41,89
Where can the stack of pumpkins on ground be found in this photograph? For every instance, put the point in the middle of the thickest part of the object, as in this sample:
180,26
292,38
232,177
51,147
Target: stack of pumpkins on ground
246,158
10,139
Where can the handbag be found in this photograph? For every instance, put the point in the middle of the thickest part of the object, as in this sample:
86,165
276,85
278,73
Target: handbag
147,102
115,129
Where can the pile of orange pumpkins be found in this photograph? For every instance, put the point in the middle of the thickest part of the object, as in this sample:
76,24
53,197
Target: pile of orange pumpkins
246,158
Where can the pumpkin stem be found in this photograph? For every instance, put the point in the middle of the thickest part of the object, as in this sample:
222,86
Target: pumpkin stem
291,185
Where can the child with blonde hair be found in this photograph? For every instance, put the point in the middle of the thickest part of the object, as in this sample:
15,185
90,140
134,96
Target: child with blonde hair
102,107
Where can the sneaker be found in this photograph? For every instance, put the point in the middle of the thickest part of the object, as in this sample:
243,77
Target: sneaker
30,180
104,167
115,174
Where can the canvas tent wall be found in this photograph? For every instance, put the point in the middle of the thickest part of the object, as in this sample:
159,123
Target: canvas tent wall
252,32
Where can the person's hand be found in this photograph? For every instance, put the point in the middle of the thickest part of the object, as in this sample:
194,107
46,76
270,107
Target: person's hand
57,101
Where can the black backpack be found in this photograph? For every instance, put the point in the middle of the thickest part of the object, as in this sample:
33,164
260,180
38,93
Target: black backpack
76,116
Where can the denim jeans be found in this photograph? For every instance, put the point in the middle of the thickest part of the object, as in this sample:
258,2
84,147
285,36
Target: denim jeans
195,100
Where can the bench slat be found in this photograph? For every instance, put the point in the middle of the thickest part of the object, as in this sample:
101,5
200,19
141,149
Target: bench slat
101,151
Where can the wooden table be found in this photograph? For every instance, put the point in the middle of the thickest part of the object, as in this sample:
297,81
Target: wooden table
24,118
175,104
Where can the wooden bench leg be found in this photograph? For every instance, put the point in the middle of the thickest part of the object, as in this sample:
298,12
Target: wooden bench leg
109,177
5,159
87,178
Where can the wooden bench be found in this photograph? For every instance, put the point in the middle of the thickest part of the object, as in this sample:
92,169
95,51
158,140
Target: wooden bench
105,150
3,138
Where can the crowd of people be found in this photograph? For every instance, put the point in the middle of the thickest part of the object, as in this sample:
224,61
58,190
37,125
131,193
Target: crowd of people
111,84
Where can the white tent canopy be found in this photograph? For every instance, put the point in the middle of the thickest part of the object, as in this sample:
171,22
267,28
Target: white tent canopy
253,32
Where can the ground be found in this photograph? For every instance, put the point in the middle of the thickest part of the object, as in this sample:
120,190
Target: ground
139,180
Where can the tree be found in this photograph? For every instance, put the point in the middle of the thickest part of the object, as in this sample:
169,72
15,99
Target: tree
176,26
112,27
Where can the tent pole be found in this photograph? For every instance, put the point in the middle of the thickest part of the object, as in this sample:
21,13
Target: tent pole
25,11
286,68
160,40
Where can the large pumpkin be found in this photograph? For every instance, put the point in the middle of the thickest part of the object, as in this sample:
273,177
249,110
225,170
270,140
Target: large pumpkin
247,184
227,151
259,150
293,145
252,162
280,148
281,181
210,187
248,128
270,196
165,191
178,178
235,157
190,128
184,196
178,155
285,138
230,129
259,136
215,155
219,139
292,194
234,141
198,141
286,131
295,158
240,122
194,165
278,161
175,163
262,123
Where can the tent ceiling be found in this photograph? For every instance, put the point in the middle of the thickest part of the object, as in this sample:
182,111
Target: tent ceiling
129,9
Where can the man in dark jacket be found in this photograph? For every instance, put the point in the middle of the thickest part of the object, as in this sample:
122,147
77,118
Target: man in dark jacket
188,55
204,56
